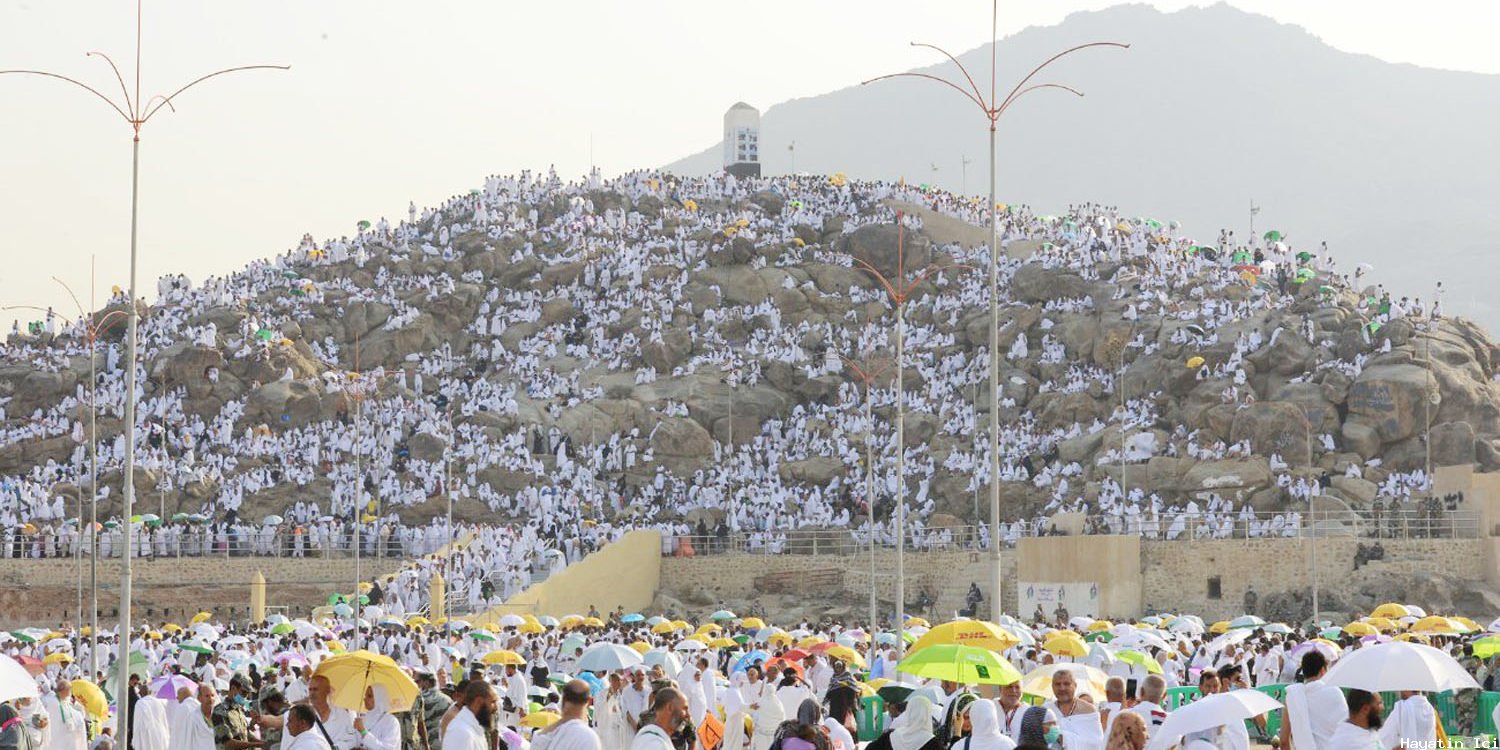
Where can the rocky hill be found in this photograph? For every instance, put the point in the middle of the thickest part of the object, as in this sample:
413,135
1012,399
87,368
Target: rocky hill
610,313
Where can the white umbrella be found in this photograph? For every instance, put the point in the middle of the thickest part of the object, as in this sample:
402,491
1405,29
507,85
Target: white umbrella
607,657
1494,625
1140,639
1080,622
1090,680
512,621
1399,665
1186,625
1209,712
1229,638
668,661
687,645
15,681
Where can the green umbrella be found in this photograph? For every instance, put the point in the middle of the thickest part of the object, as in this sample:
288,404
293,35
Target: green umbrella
1139,659
336,599
1101,635
741,639
1153,223
1486,647
1304,256
363,225
1273,236
176,517
482,635
196,648
1332,633
282,628
289,274
1325,289
22,636
264,334
965,665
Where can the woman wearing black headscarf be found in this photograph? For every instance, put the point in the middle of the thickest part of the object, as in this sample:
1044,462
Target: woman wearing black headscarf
806,732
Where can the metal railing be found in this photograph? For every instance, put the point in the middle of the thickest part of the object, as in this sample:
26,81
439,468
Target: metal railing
52,546
1385,525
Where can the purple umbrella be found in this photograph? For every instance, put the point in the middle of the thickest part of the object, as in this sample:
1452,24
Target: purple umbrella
1379,638
166,686
292,658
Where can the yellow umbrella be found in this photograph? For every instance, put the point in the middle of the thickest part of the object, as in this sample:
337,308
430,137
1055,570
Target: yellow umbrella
1090,680
780,639
503,657
1391,610
681,625
351,674
153,635
87,631
170,627
201,617
1466,622
1438,625
1067,645
1219,627
337,647
528,617
662,628
1382,623
809,641
641,647
570,621
878,683
752,622
709,627
540,720
58,658
531,628
594,622
699,637
917,622
418,620
722,643
1361,629
967,633
91,697
846,655
1099,625
1414,637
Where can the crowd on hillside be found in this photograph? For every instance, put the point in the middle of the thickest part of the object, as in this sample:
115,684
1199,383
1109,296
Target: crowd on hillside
636,267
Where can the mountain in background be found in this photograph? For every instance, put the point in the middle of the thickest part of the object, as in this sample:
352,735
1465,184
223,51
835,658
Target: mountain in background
1393,165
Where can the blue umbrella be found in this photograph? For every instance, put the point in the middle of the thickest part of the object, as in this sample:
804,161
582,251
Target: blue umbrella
632,618
596,685
721,615
748,660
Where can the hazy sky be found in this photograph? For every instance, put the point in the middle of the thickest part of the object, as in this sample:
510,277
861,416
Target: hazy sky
390,101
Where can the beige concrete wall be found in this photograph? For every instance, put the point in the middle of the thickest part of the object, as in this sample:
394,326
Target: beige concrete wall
1175,574
625,574
1111,562
44,592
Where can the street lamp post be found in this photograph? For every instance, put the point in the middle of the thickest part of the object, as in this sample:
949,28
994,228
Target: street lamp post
136,113
993,108
91,332
867,376
899,292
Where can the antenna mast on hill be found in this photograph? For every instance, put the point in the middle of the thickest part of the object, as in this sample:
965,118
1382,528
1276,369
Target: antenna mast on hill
136,113
1254,209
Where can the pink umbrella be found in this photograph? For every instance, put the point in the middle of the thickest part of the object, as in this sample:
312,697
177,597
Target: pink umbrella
292,658
167,686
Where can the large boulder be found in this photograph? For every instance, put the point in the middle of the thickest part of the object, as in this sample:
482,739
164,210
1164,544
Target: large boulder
876,244
818,470
425,446
1036,283
1246,475
680,437
1394,399
1453,444
1273,427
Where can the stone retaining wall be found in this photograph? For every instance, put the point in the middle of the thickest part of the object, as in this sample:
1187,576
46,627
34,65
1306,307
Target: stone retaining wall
44,592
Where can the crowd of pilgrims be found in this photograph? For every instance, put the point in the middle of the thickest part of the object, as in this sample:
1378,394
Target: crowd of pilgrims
363,464
218,686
